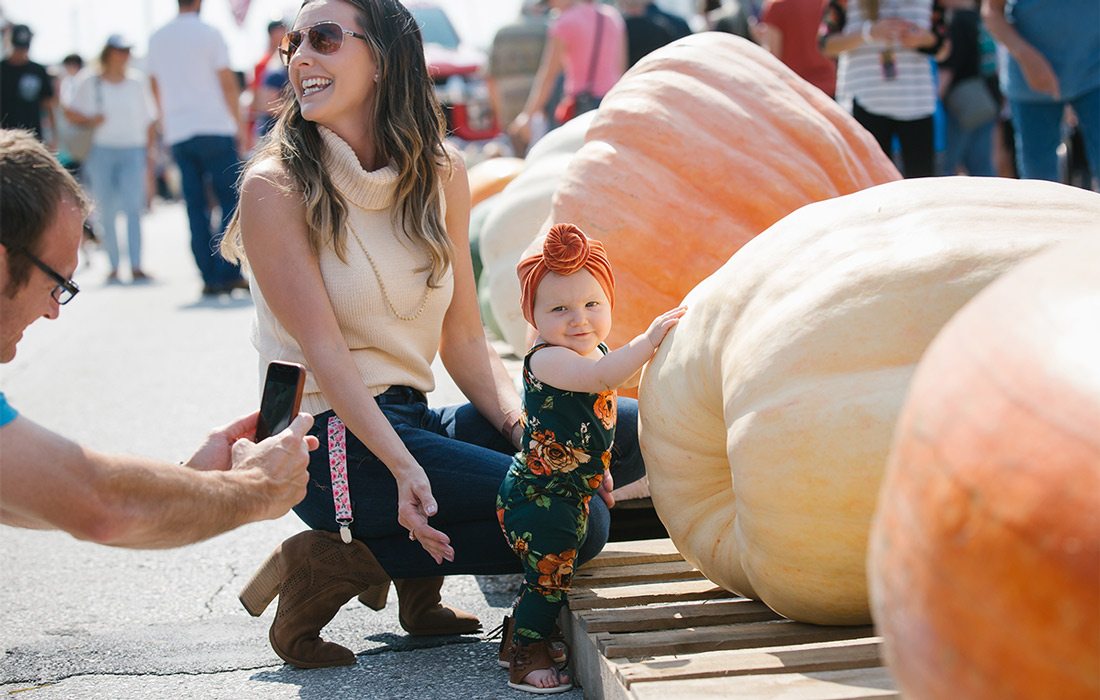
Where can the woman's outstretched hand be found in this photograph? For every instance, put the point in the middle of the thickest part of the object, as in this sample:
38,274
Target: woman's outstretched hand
415,504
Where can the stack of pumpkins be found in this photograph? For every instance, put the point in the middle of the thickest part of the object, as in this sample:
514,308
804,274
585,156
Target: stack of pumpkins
769,418
768,421
699,147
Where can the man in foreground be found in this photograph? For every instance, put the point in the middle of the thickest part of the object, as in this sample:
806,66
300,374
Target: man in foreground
49,482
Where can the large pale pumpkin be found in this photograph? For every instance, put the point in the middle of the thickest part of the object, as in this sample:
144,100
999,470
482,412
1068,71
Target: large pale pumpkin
702,145
985,549
767,415
517,214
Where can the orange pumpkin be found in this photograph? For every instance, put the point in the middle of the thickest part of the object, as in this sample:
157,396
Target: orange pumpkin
985,549
702,145
491,176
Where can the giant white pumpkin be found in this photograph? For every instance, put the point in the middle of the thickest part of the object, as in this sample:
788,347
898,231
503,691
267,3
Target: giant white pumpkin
767,415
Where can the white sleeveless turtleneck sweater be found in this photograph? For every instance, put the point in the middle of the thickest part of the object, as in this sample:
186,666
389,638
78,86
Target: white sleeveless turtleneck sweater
387,350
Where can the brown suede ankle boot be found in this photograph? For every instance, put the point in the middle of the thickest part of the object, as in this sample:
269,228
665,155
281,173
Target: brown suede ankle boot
314,573
375,596
420,611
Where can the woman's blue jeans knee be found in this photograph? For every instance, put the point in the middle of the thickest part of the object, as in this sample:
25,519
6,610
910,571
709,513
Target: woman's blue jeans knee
465,458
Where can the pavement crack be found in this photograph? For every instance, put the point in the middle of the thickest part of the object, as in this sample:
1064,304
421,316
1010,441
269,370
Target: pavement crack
31,685
209,603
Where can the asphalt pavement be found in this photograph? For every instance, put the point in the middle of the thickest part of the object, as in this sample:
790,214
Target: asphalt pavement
149,369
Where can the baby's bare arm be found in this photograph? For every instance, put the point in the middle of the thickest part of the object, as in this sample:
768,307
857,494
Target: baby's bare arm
565,369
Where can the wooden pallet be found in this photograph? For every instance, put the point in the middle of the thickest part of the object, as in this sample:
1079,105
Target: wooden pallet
645,624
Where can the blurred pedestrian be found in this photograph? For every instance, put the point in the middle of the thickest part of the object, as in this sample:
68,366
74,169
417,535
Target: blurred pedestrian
969,146
729,16
644,34
198,94
73,142
1053,63
26,90
261,111
514,57
269,97
115,101
587,42
790,29
884,72
49,482
674,24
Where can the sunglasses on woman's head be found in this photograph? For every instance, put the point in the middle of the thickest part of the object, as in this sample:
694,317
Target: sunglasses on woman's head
325,37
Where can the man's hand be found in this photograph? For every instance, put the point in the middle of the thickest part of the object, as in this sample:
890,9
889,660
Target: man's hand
214,453
277,463
1037,72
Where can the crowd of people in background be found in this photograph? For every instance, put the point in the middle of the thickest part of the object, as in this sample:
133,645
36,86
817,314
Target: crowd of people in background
924,77
1001,87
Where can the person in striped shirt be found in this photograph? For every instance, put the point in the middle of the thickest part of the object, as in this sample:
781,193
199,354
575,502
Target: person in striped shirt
884,71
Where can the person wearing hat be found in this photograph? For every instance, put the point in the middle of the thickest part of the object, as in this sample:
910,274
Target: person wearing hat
115,100
567,292
26,90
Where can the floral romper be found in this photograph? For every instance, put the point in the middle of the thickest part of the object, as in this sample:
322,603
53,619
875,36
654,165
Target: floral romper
543,503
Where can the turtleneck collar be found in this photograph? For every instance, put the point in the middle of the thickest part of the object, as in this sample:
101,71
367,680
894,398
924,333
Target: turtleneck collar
372,190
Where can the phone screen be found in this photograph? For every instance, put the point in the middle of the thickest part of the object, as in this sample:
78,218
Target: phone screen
281,398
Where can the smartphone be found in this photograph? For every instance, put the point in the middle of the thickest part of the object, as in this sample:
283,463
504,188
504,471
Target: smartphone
282,397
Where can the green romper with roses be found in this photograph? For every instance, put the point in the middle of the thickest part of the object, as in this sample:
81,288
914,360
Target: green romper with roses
543,503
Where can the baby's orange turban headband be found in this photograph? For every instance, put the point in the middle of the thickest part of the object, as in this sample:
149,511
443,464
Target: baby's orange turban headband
565,251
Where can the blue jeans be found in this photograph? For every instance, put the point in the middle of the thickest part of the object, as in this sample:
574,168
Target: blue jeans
972,149
212,159
1039,132
117,180
465,459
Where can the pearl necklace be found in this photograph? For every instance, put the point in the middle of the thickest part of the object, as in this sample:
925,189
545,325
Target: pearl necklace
382,285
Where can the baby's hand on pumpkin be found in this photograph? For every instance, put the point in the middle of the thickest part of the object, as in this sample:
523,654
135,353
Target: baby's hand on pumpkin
662,325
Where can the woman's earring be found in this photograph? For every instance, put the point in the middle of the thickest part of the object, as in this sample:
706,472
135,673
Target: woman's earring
376,76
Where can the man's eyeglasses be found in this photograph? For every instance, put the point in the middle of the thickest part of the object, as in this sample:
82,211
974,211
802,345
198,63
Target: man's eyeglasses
325,37
65,290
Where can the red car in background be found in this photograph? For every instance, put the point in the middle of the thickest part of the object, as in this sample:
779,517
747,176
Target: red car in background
457,70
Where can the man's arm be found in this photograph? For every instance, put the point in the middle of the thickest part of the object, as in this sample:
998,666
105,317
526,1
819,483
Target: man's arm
231,90
1036,68
50,482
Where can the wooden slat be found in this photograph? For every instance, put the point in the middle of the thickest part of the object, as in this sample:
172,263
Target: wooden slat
676,616
644,594
589,667
644,625
827,656
825,685
636,552
635,573
713,638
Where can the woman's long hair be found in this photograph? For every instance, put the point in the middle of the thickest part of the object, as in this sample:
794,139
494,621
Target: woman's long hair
409,129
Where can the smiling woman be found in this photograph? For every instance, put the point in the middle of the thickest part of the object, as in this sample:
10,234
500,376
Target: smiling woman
353,219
